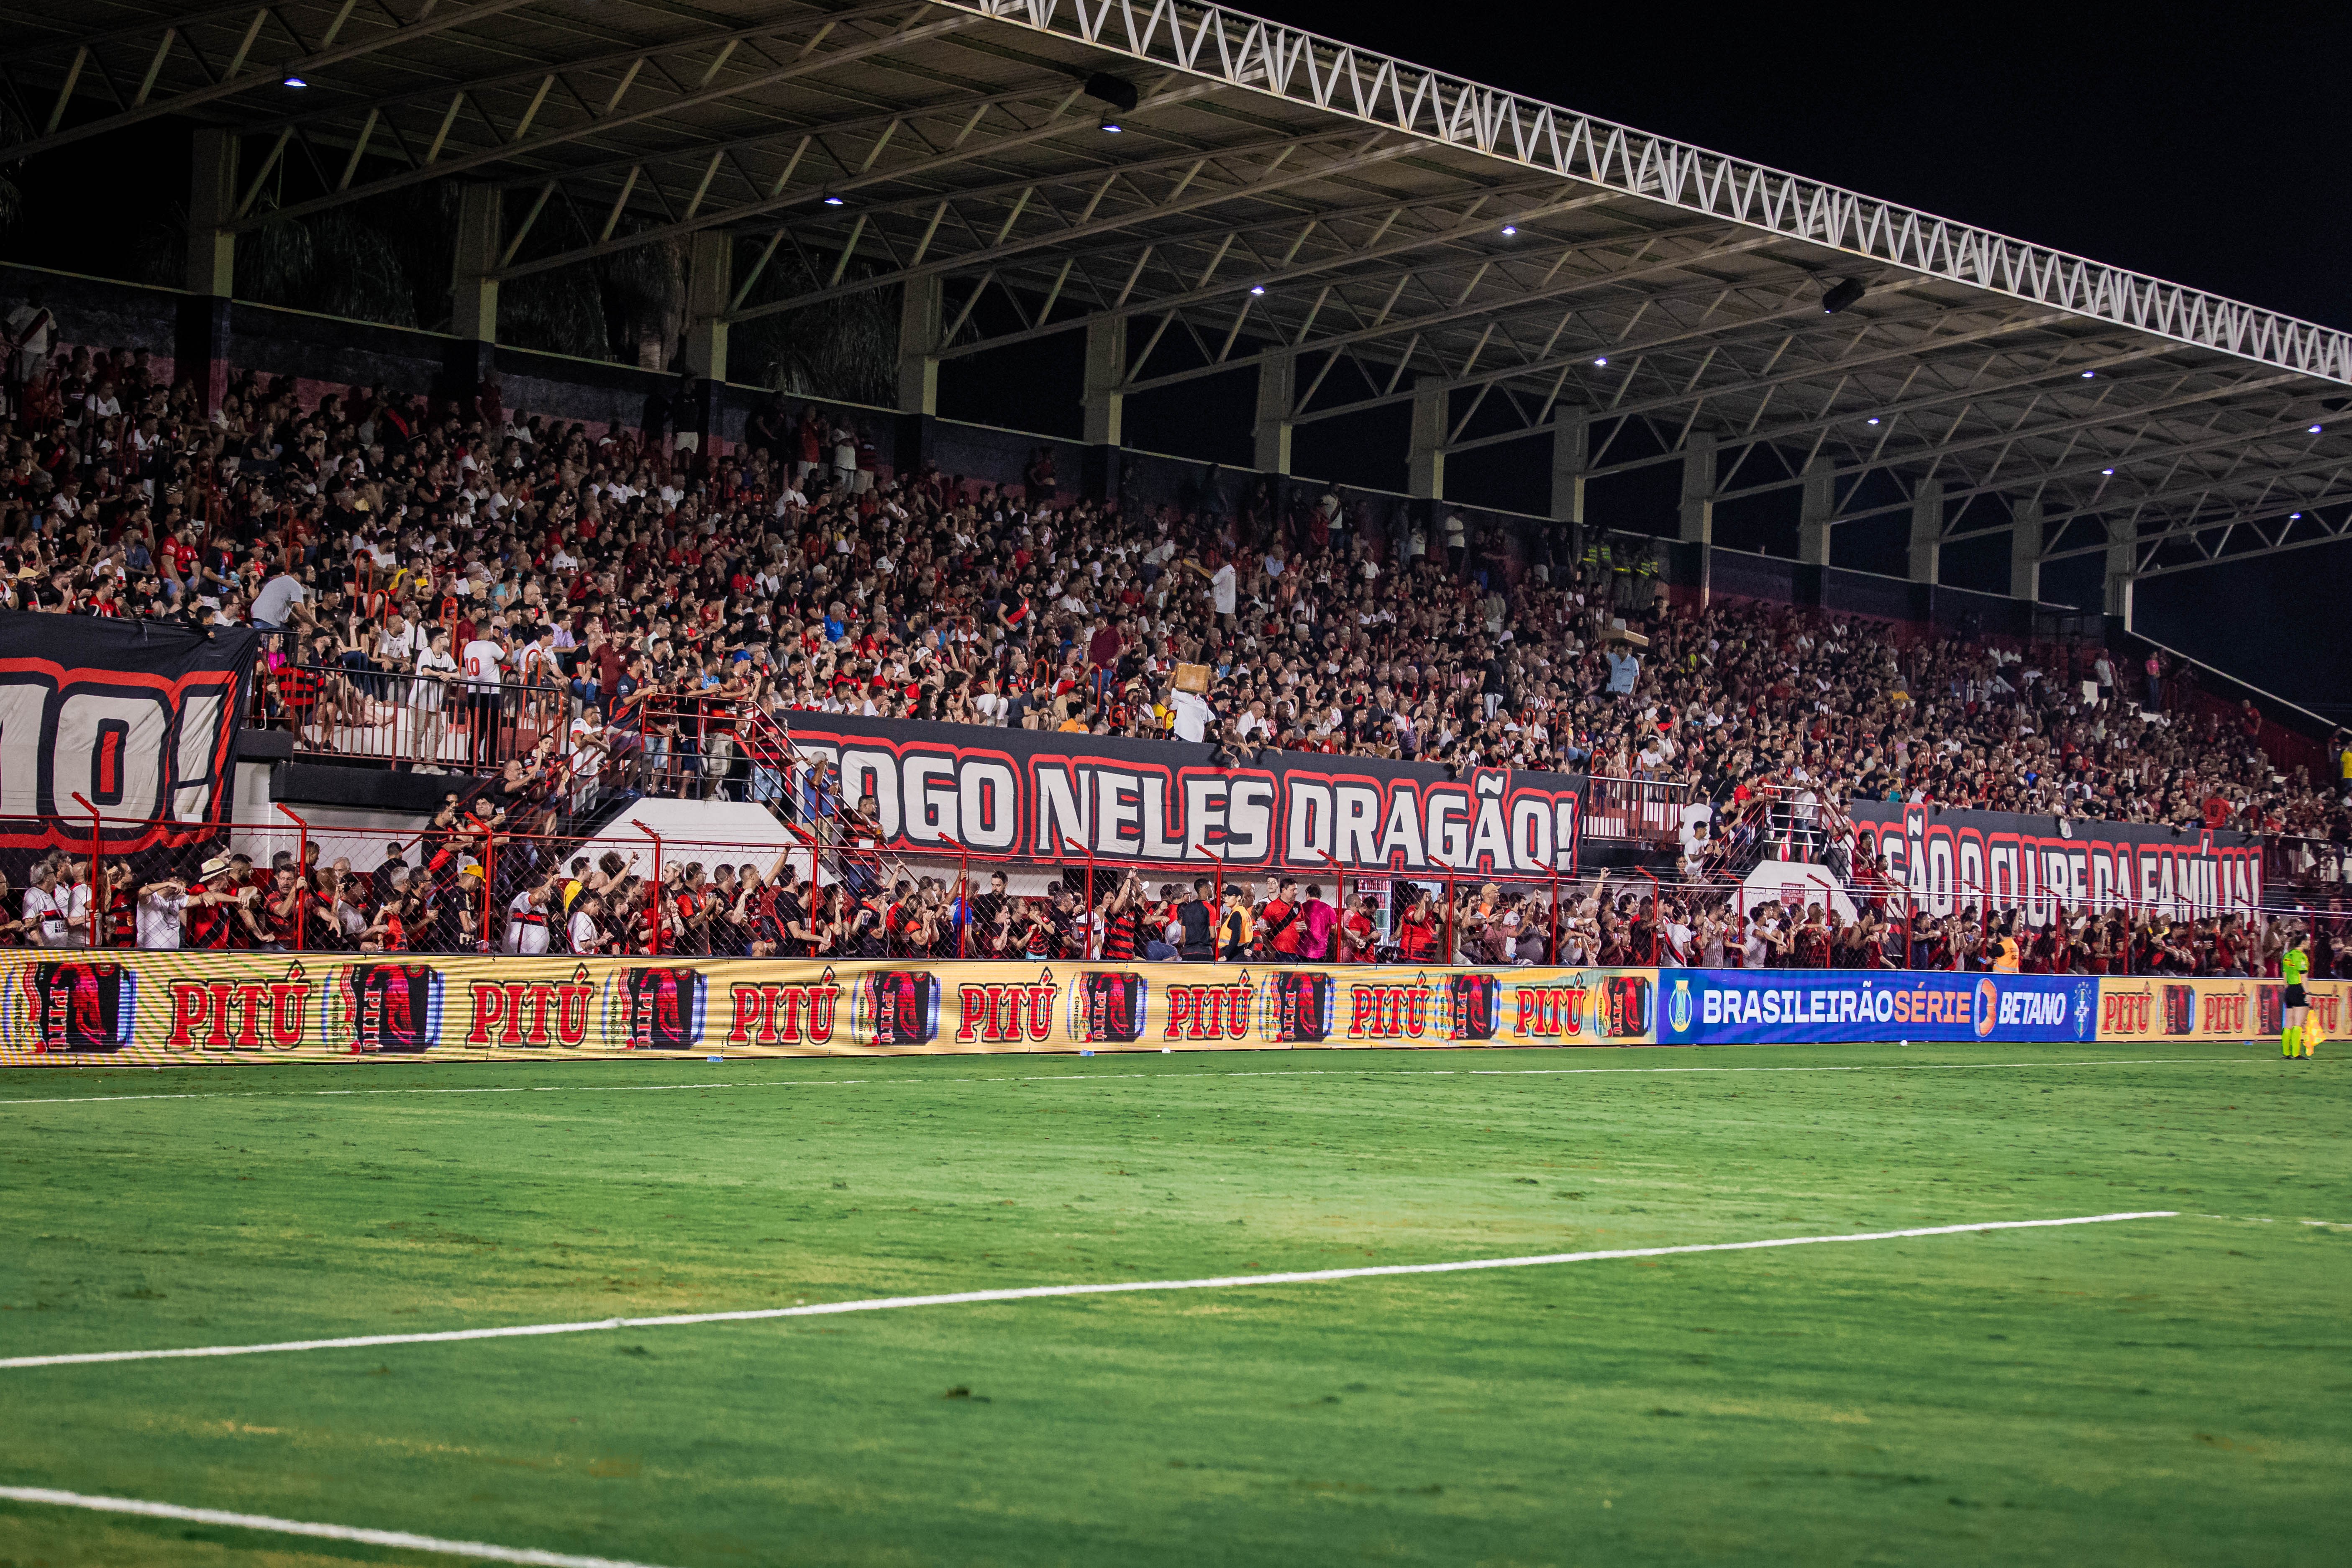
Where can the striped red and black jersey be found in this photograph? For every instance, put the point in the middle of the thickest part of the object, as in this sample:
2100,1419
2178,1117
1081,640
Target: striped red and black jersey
1119,934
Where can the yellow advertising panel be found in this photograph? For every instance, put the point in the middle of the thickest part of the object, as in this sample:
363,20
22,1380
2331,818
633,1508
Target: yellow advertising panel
2175,1008
68,1008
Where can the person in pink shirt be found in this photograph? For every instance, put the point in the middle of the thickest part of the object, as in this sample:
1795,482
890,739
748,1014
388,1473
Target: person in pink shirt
1317,920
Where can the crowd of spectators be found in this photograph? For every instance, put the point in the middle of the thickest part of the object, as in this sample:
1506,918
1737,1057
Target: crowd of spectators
432,895
433,571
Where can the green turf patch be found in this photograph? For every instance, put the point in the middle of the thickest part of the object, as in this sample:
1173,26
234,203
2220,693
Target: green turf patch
2152,1392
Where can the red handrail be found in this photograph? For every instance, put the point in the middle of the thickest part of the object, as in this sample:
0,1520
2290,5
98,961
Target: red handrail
301,879
653,903
97,889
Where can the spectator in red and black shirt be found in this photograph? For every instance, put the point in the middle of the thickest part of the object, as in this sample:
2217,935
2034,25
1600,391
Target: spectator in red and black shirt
1123,920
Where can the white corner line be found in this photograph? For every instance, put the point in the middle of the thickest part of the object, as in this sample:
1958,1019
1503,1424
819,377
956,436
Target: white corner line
1040,1292
402,1539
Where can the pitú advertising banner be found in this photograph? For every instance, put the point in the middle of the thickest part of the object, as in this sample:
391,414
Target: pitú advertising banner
943,789
1948,860
68,1008
138,718
2175,1008
1774,1006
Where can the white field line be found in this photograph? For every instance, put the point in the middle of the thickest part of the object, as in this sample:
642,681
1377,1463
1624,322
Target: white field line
1113,1076
399,1538
1040,1292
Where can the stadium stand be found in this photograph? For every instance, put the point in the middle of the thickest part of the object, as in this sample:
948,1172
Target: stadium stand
560,615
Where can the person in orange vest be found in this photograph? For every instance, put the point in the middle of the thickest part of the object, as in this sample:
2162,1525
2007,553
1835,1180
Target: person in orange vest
2005,948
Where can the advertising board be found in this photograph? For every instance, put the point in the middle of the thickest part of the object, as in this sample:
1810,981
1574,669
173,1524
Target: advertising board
1765,1007
66,1008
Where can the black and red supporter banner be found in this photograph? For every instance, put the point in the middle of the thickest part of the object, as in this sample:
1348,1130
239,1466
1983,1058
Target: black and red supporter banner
137,719
1950,858
945,789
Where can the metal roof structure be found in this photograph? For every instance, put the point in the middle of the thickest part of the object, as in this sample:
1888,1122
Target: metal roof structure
1271,193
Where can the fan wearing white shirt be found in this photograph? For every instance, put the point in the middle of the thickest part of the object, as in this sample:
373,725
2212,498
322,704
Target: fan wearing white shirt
73,903
584,934
527,922
428,699
162,906
481,663
45,919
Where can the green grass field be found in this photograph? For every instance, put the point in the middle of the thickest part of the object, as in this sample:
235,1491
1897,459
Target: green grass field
2146,1391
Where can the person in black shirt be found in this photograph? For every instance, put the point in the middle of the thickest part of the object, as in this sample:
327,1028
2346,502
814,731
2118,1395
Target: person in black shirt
987,914
1199,918
785,910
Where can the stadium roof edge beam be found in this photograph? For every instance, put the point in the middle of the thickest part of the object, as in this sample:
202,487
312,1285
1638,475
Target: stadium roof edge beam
1363,230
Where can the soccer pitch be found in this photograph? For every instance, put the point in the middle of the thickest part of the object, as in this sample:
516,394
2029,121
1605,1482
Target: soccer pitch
2145,1390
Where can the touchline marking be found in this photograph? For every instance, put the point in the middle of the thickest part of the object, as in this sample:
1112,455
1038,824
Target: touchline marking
1112,1077
1040,1292
399,1538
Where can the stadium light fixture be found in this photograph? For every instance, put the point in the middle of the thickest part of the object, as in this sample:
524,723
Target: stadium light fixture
1839,298
2109,472
2315,429
1602,360
1115,90
2295,517
1873,419
2090,375
831,200
1112,125
296,81
1509,229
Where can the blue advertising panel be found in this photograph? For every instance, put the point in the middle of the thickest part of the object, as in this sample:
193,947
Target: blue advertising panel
1784,1006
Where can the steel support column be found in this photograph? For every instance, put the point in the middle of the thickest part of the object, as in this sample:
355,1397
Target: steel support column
200,346
1927,531
709,286
2025,549
211,205
1815,507
1697,511
1424,455
1104,413
1572,456
1278,388
2122,560
470,355
919,315
473,288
